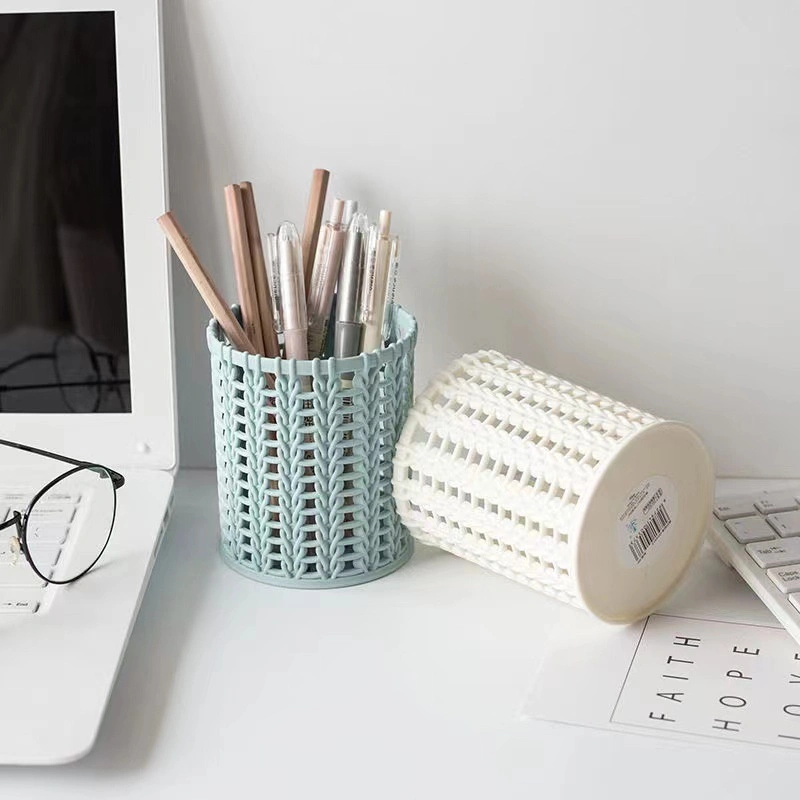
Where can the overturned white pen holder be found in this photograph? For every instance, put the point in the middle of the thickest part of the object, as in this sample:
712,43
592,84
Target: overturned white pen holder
555,486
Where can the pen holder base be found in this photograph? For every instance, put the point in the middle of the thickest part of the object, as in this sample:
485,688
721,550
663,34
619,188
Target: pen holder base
304,461
292,583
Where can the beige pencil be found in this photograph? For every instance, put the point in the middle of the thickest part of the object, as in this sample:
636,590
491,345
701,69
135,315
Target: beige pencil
243,266
271,347
208,291
316,207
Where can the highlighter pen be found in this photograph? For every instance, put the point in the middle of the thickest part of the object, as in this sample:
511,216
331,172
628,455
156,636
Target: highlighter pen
293,295
391,288
378,275
327,264
347,341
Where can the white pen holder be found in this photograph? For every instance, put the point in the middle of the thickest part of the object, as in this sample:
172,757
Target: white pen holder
572,493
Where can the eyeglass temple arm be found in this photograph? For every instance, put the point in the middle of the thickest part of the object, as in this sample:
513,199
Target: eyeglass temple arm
14,520
117,479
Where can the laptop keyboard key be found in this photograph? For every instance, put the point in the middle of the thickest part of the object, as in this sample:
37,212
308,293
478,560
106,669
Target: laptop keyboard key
775,553
19,574
45,555
786,524
20,601
52,533
17,500
52,512
774,502
729,509
61,496
787,579
750,529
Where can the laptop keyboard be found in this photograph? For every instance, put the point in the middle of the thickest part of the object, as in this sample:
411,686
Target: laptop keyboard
21,589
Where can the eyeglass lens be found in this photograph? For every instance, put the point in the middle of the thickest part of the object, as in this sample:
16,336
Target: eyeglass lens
84,499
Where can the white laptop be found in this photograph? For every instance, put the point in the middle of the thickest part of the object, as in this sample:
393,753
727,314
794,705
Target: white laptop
86,365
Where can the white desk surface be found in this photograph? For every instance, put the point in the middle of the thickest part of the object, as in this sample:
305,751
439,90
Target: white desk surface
410,686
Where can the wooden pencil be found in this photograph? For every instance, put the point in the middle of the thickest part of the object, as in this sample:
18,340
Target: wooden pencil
316,207
205,286
263,294
243,266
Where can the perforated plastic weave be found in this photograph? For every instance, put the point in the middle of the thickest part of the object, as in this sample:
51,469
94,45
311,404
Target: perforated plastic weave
304,461
494,460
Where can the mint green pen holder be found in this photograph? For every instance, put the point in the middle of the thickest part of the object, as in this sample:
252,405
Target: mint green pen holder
304,461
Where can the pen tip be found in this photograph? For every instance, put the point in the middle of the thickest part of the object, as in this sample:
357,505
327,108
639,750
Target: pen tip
359,223
350,209
287,232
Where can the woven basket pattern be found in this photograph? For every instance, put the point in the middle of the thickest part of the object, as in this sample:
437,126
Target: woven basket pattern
304,461
493,462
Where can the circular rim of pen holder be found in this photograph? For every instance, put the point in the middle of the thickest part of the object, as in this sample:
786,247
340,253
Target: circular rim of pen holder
264,460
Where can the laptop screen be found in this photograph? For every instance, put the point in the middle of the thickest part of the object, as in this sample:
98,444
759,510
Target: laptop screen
63,320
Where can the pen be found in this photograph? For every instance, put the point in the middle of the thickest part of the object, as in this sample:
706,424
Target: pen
391,288
347,341
273,279
350,210
293,296
374,299
323,280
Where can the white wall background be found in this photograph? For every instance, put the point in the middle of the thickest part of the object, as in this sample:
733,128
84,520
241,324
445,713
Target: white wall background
608,190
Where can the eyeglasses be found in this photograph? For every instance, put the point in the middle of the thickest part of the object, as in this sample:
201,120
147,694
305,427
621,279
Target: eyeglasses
41,529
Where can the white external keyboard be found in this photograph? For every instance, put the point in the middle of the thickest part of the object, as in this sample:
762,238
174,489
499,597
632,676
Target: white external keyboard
21,589
759,536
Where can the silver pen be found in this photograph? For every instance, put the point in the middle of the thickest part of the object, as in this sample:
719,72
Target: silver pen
347,341
327,265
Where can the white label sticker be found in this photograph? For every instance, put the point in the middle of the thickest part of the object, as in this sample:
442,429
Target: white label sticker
647,519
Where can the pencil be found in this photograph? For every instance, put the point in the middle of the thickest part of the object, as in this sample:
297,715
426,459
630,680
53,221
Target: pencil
263,294
316,206
203,283
243,266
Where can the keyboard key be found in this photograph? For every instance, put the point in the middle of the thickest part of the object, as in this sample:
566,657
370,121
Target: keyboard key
17,500
775,553
787,579
786,524
750,529
20,601
730,509
5,548
52,512
794,599
44,555
775,502
19,574
52,533
62,496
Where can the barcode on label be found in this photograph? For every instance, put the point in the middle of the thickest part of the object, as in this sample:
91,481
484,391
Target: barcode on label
650,532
